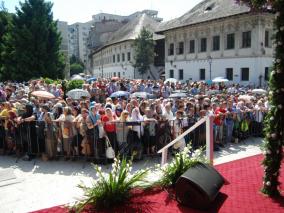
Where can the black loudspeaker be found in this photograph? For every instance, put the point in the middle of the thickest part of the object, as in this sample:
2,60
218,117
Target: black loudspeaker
199,186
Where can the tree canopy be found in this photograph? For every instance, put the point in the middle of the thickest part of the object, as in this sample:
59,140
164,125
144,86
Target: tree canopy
144,51
32,45
274,123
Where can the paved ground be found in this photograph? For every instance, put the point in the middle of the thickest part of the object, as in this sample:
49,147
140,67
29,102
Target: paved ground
44,184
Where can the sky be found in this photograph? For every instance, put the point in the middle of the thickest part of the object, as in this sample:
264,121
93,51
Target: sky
82,10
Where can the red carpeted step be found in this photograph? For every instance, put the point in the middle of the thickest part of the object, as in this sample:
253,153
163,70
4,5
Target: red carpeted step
241,193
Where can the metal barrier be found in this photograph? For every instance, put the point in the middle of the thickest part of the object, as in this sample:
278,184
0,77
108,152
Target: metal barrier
143,138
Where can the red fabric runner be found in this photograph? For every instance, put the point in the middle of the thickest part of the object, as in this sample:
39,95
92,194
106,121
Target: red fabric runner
240,194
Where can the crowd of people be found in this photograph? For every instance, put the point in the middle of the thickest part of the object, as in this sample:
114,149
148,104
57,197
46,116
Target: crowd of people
131,125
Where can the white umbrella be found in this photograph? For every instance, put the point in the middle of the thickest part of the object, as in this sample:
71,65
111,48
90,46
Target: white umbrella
219,79
247,98
76,94
179,91
77,77
171,80
144,95
178,95
259,91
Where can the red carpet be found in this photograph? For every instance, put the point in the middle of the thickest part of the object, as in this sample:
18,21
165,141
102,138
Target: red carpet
241,194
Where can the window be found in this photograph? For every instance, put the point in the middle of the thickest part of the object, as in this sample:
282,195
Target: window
128,56
180,74
180,48
216,43
245,74
202,74
246,42
118,58
113,58
191,46
171,73
171,49
230,41
123,57
203,45
266,74
118,74
229,74
114,74
266,40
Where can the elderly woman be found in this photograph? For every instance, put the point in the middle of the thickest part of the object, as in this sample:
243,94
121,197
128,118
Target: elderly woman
67,128
150,131
28,129
137,117
122,132
109,126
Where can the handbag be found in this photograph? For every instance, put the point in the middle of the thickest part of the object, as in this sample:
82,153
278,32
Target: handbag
101,131
109,150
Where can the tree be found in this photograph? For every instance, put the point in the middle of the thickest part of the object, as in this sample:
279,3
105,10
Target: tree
75,60
76,69
144,51
274,123
34,43
5,28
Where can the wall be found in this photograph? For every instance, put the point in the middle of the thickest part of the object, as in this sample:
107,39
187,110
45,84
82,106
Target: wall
218,68
255,57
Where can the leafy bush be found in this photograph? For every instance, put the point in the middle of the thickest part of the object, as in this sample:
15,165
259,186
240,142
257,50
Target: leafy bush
180,164
74,84
76,68
113,188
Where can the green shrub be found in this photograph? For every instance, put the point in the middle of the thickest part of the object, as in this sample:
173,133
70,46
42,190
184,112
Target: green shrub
74,84
114,188
180,164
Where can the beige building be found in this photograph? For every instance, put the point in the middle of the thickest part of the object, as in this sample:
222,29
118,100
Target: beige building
116,57
77,38
219,38
63,29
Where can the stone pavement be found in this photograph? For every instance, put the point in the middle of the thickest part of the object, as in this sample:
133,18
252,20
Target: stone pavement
41,184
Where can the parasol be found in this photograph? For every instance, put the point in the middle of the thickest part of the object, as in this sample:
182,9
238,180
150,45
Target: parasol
43,94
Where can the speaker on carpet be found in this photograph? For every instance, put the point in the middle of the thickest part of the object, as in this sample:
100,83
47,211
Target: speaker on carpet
199,186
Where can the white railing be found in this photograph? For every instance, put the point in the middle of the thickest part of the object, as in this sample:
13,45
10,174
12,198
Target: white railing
209,139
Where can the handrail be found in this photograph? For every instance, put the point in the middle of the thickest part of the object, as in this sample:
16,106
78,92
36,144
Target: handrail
198,123
209,139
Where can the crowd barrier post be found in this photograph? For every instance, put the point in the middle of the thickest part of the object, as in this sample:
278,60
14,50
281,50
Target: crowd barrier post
209,138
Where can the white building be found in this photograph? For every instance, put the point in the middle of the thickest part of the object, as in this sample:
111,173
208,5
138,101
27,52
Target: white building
116,57
62,27
78,35
100,17
219,38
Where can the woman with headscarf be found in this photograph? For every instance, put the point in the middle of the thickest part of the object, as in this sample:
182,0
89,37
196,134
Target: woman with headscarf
137,117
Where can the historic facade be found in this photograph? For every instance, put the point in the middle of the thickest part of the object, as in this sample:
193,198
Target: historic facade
218,38
116,57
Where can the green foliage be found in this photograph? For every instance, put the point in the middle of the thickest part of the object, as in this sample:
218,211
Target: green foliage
144,51
114,188
75,60
5,28
51,81
274,122
76,69
179,165
74,84
33,44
